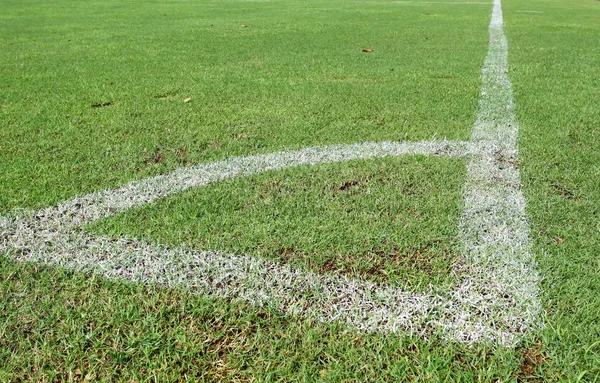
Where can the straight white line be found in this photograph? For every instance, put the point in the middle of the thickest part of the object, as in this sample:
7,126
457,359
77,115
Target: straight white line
327,297
494,228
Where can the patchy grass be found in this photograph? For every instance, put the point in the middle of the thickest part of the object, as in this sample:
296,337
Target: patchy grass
391,220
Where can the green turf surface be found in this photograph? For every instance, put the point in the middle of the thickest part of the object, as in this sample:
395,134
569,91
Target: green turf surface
389,220
555,60
109,331
295,76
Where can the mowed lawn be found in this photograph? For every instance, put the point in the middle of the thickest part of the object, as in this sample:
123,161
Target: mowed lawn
93,92
391,221
555,70
92,96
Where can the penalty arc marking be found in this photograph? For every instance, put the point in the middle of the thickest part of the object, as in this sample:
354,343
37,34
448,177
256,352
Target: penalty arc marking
494,299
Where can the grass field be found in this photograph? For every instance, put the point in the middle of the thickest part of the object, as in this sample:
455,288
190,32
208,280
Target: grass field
295,76
92,97
343,218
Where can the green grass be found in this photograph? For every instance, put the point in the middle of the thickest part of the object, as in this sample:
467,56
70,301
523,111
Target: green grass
391,220
295,76
113,331
555,60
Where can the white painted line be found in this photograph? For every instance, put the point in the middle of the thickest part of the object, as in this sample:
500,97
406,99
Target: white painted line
328,298
496,298
494,227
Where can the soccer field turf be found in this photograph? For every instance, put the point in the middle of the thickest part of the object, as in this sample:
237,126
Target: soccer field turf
94,95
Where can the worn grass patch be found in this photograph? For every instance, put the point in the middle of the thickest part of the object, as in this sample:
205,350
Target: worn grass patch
386,220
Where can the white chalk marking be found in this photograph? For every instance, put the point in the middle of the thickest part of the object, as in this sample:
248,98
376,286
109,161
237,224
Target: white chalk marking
53,236
494,227
329,298
496,298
